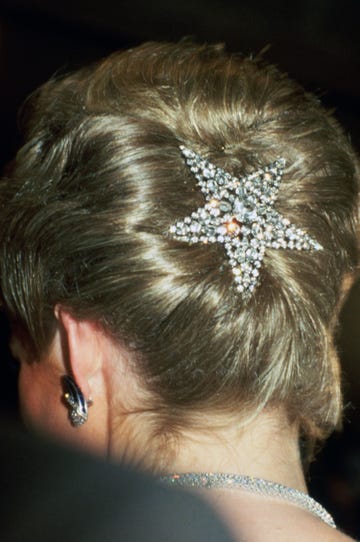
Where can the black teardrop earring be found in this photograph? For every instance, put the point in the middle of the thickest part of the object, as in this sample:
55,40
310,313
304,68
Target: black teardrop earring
75,400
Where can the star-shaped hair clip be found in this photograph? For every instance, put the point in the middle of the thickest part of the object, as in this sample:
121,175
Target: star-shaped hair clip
239,213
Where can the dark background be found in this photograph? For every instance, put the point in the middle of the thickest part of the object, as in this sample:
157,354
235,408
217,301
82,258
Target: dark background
316,41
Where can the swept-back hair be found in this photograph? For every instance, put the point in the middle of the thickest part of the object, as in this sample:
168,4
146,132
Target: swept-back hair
86,211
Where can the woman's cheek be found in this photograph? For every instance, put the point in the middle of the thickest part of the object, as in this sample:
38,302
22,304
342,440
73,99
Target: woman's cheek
39,401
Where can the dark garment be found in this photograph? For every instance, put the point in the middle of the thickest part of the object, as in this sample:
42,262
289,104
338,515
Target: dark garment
51,493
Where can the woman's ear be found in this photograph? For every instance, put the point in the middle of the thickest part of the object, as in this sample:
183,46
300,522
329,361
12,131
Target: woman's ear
102,369
82,345
83,352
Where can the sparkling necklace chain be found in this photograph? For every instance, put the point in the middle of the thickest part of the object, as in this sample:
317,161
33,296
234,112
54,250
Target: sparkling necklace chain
259,486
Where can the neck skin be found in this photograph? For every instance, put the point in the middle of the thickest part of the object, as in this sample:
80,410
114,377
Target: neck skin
267,447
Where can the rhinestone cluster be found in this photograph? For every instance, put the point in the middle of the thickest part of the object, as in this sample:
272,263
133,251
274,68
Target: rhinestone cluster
259,486
239,213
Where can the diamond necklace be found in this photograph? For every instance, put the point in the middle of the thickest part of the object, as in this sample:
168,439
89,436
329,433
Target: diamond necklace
259,486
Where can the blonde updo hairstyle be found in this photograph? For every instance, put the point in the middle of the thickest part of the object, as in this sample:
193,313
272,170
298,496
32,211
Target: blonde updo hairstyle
86,210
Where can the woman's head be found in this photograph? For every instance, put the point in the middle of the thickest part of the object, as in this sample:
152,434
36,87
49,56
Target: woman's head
85,226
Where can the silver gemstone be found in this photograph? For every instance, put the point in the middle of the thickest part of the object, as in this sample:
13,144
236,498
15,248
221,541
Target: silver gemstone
250,200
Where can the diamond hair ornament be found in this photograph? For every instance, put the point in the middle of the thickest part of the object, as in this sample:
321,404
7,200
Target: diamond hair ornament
239,213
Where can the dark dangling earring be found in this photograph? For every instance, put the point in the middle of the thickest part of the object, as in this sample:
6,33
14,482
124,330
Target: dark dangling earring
75,400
